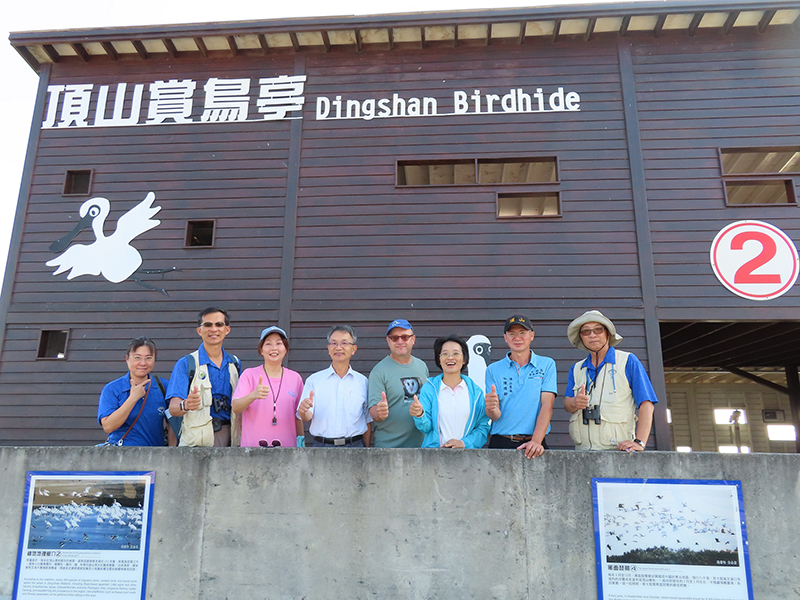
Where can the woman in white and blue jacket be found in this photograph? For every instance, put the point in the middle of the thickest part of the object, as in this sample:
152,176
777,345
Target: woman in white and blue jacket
450,410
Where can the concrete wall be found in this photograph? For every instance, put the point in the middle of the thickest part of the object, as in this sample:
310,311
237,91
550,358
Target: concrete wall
319,524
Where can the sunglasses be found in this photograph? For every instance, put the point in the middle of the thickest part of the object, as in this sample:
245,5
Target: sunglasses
397,338
266,444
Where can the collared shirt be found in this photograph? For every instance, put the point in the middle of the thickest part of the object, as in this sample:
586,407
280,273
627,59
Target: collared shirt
221,392
340,403
520,391
149,429
454,411
635,373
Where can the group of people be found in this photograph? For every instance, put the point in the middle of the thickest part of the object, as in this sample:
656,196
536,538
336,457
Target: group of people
209,401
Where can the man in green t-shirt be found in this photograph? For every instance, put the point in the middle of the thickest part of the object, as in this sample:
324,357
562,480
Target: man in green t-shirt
393,384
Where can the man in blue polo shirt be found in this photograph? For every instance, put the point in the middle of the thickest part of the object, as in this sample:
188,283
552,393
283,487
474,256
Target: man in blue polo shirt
520,392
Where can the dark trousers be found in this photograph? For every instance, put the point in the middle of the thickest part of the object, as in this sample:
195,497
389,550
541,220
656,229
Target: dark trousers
498,441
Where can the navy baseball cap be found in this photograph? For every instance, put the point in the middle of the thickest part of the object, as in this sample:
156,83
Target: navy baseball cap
401,323
517,320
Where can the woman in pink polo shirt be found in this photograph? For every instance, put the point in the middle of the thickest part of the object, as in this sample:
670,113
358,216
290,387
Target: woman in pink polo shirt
267,396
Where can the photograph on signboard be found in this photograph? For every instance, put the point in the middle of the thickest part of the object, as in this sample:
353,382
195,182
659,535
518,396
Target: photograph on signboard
656,538
84,529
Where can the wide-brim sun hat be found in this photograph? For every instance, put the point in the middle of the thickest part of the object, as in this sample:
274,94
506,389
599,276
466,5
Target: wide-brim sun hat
592,316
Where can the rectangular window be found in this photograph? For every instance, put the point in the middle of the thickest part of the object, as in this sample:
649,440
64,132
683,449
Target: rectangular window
760,176
78,183
480,171
510,206
517,170
455,172
53,344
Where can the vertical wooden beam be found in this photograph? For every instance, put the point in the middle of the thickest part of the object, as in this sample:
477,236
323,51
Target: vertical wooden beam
659,25
80,51
140,49
201,46
110,50
655,359
290,214
765,20
696,19
623,28
22,199
590,29
793,383
262,40
729,22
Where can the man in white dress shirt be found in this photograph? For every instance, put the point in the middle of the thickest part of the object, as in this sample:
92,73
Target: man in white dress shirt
336,399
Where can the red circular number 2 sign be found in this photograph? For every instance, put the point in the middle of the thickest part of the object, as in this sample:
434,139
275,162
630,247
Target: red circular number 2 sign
754,260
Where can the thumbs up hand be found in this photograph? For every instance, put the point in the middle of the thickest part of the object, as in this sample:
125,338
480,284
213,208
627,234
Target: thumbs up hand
193,399
492,400
306,409
261,391
581,399
416,410
383,408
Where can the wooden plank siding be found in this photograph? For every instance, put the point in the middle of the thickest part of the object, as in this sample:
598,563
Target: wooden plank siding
367,251
234,174
693,99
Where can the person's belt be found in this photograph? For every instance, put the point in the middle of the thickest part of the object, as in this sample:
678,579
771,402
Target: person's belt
517,437
343,441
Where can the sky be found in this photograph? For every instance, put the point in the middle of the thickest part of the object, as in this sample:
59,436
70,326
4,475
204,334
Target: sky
19,81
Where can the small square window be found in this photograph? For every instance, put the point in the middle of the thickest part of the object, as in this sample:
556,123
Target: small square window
683,449
78,183
520,206
53,344
200,234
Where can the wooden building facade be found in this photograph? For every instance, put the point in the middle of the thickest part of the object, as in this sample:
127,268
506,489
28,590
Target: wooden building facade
450,168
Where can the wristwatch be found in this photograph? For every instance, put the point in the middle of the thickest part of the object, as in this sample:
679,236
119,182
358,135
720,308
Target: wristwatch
183,408
640,442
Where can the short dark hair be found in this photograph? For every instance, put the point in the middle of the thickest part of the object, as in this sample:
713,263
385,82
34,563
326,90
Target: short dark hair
208,311
139,342
437,349
344,329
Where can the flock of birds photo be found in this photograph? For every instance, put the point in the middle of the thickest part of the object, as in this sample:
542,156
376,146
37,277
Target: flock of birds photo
668,523
71,515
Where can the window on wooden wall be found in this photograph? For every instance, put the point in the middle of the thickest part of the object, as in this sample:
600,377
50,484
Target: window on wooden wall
524,186
53,343
760,176
200,234
78,182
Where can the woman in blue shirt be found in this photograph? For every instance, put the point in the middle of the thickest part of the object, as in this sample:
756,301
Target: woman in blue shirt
450,410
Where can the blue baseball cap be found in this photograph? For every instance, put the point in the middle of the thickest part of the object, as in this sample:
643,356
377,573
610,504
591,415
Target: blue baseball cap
401,323
273,329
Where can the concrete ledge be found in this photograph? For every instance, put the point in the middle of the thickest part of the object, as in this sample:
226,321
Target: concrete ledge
245,524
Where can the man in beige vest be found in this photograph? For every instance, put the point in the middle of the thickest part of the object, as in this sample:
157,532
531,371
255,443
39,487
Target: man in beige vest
605,389
203,384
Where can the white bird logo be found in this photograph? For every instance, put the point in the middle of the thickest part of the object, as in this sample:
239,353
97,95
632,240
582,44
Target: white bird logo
480,349
110,256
